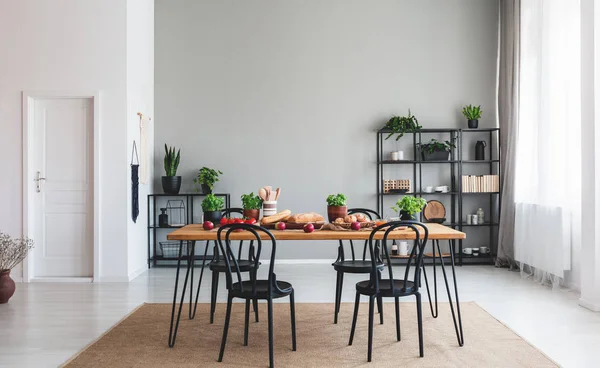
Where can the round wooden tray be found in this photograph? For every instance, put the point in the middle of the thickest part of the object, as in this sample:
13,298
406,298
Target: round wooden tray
434,210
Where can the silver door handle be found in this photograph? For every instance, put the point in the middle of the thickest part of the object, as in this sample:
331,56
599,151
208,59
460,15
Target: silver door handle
37,179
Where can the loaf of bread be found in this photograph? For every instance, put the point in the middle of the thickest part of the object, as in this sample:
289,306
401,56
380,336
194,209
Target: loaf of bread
305,217
280,216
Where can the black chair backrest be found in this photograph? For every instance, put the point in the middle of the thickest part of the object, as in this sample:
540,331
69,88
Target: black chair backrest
228,211
372,215
415,256
231,260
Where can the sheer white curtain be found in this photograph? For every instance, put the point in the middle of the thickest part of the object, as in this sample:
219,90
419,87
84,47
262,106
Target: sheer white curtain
548,172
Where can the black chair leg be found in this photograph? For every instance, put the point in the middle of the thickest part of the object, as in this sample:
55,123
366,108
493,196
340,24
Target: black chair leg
380,308
254,301
293,316
213,295
270,308
420,323
246,322
338,295
397,300
371,317
225,328
354,318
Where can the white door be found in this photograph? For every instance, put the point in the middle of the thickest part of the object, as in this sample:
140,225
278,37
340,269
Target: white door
62,153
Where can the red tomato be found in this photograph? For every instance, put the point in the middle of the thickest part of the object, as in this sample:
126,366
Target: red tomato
223,221
231,221
251,221
238,220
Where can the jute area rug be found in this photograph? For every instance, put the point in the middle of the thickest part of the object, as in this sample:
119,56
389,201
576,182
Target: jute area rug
140,340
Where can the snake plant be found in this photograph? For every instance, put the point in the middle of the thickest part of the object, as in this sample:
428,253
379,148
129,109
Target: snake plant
171,161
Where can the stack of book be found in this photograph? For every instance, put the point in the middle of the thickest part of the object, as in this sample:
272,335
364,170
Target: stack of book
480,183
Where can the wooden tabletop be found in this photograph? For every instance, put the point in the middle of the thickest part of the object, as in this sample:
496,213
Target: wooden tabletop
196,232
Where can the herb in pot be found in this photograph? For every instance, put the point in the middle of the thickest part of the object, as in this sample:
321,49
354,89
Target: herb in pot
408,206
401,125
207,178
436,146
212,203
251,201
336,200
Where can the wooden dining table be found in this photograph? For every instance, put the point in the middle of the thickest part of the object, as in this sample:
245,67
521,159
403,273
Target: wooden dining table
195,232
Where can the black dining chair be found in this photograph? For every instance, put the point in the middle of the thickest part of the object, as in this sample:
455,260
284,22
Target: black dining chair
354,265
218,265
392,288
253,289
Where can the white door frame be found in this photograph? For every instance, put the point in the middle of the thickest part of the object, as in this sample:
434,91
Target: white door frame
28,99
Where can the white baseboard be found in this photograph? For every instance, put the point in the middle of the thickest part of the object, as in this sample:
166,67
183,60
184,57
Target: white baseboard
137,273
593,306
63,279
112,279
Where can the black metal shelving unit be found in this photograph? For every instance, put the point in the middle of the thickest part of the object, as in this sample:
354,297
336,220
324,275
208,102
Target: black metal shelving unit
157,233
456,162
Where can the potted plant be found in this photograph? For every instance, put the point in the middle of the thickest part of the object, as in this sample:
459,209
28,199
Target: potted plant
401,125
408,206
251,204
212,207
12,252
336,206
171,183
436,150
472,113
207,178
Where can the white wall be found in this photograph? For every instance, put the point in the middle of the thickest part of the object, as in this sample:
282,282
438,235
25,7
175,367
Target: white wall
289,93
590,140
72,45
140,98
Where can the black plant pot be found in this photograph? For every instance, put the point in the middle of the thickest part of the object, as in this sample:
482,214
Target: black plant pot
205,189
473,124
213,216
171,184
405,216
435,156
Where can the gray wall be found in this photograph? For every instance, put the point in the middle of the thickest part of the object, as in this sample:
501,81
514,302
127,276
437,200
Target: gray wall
289,93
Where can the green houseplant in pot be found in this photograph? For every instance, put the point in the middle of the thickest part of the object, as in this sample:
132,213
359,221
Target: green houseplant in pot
435,150
251,204
408,206
12,252
401,125
473,114
170,182
212,206
207,178
336,206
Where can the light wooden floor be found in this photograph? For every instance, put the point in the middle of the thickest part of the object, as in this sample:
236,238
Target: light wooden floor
44,324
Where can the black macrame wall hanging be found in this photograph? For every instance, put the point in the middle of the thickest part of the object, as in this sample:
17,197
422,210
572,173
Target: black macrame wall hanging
135,181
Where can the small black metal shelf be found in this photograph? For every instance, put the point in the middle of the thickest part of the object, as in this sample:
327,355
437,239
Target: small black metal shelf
455,196
154,239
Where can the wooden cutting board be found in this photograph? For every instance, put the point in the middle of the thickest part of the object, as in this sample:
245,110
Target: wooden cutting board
296,225
434,210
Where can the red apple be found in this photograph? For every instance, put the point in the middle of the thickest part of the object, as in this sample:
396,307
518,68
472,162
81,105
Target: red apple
223,221
355,225
280,225
207,225
309,228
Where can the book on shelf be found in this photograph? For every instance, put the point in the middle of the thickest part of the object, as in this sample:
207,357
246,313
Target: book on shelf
480,183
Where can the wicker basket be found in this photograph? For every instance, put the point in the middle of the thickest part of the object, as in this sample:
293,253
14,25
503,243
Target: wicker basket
396,186
170,249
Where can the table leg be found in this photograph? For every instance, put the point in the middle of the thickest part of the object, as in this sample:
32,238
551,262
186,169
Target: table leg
457,325
434,313
173,331
192,315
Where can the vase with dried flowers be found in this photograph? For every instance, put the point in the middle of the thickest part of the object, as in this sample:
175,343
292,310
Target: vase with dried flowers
12,252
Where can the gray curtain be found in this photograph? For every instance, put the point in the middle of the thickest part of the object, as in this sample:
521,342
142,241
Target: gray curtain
508,107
